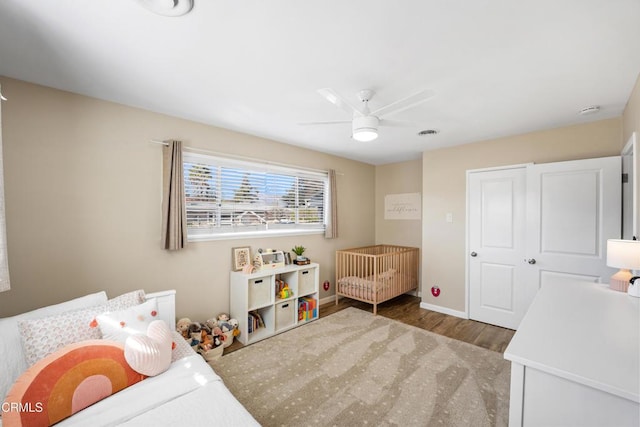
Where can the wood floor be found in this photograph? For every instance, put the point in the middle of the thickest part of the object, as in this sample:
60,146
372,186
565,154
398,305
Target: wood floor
406,309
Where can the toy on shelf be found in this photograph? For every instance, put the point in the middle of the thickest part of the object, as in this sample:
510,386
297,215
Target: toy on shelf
268,260
282,289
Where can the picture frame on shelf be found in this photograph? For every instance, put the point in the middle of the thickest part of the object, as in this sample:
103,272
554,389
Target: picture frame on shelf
240,256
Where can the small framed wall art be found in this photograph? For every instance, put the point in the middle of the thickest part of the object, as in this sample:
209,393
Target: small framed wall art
240,257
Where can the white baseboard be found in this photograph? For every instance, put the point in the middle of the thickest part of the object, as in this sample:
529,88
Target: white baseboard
444,310
326,300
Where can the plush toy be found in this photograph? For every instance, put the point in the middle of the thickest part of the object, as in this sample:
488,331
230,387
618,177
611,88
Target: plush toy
195,332
218,336
211,323
206,341
235,327
223,322
183,327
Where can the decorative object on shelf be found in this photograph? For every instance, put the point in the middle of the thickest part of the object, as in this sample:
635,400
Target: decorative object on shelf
299,250
300,259
625,255
248,269
268,260
240,257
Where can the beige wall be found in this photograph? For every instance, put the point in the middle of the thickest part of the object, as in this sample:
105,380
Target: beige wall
82,187
394,178
631,116
444,191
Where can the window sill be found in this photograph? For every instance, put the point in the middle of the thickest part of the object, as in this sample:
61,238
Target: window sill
252,235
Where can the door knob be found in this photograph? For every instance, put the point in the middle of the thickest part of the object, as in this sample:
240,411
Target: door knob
473,254
531,260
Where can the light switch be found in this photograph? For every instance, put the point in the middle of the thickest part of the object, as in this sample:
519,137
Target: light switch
449,217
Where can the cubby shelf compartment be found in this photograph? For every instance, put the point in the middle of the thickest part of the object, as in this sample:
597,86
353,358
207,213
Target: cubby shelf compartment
256,292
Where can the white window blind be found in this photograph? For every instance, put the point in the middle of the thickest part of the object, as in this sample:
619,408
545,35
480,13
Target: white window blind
233,198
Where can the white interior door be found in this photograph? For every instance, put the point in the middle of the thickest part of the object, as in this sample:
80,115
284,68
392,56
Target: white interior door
497,246
572,209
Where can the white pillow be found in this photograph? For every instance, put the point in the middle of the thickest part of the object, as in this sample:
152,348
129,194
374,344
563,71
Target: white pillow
11,354
150,353
118,325
41,337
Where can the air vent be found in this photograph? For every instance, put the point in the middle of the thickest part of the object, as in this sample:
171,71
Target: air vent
589,110
427,132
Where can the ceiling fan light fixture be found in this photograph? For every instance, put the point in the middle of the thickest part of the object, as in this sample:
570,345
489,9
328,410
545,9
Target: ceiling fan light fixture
365,128
168,7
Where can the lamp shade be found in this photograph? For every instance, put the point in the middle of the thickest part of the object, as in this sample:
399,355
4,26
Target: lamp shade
623,254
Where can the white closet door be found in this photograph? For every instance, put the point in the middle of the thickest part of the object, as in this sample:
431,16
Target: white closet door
572,209
497,246
536,226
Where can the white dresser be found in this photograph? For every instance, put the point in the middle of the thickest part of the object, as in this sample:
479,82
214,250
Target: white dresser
575,359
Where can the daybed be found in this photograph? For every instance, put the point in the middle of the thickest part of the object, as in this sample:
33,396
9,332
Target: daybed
375,274
189,392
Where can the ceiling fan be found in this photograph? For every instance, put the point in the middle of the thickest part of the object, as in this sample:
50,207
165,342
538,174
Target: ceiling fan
365,123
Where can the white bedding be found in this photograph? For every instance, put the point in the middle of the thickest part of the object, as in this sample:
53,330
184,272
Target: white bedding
189,393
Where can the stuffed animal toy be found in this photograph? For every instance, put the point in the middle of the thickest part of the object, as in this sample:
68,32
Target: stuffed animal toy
236,329
195,332
218,336
183,327
205,328
206,341
211,323
223,322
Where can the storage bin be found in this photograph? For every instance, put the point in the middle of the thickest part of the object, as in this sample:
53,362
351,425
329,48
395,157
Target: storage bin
259,292
285,314
306,281
229,340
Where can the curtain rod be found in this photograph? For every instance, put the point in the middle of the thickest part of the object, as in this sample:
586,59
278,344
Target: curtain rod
236,157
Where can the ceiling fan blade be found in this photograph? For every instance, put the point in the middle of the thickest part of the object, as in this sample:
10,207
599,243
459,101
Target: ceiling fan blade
404,104
331,96
396,123
333,122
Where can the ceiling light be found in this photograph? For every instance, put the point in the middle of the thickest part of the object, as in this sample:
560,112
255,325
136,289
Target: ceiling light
589,110
168,7
365,128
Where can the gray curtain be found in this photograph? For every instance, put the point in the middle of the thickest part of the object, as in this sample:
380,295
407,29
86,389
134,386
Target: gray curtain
331,232
174,215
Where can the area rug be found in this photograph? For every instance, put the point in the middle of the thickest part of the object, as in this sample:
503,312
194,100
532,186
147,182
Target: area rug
353,368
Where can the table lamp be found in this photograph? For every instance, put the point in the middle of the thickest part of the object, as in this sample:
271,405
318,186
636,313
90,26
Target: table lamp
625,255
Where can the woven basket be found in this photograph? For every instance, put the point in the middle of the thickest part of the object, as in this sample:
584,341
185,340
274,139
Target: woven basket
213,354
226,343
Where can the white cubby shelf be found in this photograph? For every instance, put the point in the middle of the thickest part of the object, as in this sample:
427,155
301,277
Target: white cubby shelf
261,313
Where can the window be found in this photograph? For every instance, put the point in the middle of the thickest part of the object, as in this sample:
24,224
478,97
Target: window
233,198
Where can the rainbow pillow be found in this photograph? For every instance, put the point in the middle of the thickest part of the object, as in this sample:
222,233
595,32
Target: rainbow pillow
66,382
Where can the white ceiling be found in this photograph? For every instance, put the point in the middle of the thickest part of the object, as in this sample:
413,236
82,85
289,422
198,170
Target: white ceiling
497,67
